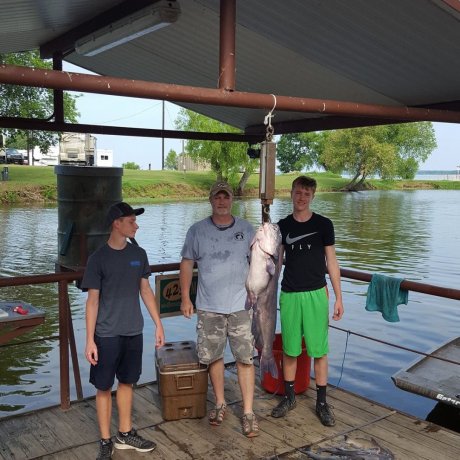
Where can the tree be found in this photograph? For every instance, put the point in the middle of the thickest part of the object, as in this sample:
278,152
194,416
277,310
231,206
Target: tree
130,165
171,160
415,143
28,102
227,159
389,151
299,151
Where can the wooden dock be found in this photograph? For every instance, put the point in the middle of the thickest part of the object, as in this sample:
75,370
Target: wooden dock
73,434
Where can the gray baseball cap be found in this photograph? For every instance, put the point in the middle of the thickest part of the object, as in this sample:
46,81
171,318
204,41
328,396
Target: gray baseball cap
220,187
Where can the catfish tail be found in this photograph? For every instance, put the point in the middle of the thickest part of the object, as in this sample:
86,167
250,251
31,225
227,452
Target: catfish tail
268,365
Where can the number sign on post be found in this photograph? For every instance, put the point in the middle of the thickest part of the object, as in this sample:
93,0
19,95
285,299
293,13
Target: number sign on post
168,295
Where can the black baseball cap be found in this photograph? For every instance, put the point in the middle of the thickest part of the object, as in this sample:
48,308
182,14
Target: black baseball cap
122,209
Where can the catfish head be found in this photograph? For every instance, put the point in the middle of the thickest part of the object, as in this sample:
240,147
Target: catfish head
268,236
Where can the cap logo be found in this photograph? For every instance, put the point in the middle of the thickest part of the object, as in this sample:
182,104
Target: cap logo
221,187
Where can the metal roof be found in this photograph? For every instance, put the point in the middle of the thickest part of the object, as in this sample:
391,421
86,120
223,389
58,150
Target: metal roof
394,53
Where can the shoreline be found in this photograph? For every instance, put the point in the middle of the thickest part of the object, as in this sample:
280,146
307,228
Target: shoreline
37,185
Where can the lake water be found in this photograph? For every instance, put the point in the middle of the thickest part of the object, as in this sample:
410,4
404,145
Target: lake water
407,234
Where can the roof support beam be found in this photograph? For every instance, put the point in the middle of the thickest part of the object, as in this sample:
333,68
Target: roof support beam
58,101
227,45
306,125
68,81
43,125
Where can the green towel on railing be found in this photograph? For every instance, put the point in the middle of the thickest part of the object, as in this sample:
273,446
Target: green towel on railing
384,294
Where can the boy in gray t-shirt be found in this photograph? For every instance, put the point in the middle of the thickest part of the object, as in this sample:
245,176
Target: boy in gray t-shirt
220,245
115,276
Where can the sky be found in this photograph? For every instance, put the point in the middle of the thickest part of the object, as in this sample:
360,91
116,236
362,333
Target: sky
146,113
100,109
447,154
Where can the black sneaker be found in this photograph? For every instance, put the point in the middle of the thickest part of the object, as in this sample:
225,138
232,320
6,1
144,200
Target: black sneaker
105,450
133,441
283,407
325,414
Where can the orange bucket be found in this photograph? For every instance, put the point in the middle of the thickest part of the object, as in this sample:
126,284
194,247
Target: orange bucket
302,376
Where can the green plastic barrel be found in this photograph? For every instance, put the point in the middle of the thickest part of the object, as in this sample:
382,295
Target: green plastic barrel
85,194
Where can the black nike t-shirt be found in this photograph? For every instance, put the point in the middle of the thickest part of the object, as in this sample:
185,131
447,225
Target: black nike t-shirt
304,242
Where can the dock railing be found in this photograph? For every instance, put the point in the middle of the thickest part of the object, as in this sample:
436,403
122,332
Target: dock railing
67,345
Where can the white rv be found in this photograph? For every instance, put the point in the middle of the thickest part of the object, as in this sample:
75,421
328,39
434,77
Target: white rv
77,149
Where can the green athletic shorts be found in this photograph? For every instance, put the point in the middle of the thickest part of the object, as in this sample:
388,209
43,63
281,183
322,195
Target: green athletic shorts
305,314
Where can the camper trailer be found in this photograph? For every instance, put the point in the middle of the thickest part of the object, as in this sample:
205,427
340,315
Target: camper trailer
77,149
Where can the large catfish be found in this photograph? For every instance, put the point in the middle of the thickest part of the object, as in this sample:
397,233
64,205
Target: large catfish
262,288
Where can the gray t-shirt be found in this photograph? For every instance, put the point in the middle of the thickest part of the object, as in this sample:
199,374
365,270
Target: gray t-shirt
117,275
223,264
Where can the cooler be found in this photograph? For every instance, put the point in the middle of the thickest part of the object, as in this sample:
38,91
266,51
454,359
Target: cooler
302,376
182,381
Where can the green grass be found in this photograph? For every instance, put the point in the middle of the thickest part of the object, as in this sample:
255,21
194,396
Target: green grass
30,175
28,184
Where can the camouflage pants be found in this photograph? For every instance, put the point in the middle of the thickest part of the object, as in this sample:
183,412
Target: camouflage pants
213,329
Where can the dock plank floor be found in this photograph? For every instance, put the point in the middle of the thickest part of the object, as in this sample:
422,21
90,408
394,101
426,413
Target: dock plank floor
53,434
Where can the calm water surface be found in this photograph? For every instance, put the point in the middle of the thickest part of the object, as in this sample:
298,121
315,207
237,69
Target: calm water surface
413,235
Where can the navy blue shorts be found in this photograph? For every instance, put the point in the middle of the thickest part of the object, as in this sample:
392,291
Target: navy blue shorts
119,356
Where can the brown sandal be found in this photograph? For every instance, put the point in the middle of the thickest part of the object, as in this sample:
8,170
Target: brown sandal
216,416
250,425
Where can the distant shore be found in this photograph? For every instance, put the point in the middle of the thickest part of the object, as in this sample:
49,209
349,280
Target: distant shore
437,175
36,185
443,172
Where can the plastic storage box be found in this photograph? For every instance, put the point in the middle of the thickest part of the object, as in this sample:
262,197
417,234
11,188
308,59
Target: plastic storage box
182,381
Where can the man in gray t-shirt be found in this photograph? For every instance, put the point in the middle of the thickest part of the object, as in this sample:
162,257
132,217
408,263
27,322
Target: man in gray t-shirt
220,246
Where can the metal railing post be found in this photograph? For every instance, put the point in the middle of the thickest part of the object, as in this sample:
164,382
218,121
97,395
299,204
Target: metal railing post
64,318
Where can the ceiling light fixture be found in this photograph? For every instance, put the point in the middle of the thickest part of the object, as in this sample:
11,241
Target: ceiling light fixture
141,22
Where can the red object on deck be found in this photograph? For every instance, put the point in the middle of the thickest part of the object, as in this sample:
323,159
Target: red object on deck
302,376
20,310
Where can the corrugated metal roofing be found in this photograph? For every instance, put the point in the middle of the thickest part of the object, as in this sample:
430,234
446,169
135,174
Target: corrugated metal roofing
400,53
